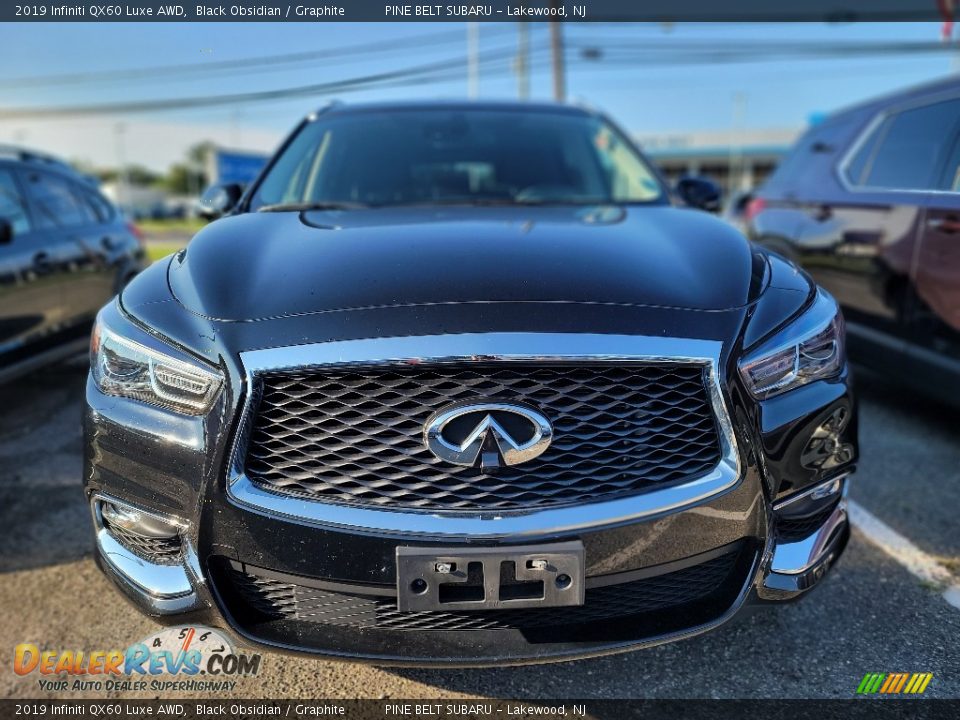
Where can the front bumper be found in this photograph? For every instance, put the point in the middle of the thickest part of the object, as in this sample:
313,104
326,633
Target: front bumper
678,598
303,584
688,573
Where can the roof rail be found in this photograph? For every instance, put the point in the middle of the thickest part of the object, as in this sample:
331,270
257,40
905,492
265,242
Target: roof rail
27,155
328,105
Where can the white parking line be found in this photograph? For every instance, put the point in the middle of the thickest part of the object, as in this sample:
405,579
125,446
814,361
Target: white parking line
916,561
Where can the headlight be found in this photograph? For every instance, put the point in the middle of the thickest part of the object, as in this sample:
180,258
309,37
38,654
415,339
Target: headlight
126,368
811,348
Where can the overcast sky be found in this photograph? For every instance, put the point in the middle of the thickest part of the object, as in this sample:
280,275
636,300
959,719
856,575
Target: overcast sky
645,97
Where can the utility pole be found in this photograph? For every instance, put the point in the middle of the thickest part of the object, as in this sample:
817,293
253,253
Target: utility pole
947,8
522,65
123,186
473,60
735,176
235,127
556,52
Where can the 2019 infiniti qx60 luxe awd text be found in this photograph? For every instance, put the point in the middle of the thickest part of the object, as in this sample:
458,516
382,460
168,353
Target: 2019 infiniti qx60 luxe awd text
459,383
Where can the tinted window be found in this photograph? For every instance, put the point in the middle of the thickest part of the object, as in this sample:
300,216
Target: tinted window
457,156
11,203
56,204
99,209
950,179
859,163
906,149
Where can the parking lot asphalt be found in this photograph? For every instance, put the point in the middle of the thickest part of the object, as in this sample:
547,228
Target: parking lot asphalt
870,614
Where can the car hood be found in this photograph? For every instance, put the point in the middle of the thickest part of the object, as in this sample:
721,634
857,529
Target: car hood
269,265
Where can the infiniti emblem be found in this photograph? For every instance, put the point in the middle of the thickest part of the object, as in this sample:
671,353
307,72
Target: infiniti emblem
488,434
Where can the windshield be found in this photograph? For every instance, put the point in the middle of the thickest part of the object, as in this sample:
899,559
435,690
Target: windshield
452,156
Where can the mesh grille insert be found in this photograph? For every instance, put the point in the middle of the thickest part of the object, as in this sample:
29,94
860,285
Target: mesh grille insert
792,529
158,550
276,599
356,436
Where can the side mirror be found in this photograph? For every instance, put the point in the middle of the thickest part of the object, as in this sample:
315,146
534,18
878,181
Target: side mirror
700,193
219,200
6,231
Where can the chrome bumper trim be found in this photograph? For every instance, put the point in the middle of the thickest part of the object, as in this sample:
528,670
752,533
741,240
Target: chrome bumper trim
158,581
486,347
799,566
159,589
795,558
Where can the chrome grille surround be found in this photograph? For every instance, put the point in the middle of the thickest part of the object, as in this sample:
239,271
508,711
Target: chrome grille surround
486,348
356,435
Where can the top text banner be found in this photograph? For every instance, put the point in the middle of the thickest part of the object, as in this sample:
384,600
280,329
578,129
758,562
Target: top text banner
496,11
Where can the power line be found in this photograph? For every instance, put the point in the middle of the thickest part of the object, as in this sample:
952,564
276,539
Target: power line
429,72
613,54
265,63
753,49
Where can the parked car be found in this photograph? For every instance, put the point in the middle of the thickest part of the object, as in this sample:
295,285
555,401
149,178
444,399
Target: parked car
64,252
466,384
868,202
735,209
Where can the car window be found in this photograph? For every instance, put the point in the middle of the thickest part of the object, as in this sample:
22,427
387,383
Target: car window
12,206
459,156
950,177
859,164
904,152
97,206
57,206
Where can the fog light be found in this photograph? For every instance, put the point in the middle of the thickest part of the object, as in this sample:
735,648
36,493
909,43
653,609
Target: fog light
826,448
136,521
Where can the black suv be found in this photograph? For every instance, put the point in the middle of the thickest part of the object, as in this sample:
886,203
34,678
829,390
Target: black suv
64,251
466,383
868,202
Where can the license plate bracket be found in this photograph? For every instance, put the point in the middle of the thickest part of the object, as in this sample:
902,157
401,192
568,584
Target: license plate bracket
473,578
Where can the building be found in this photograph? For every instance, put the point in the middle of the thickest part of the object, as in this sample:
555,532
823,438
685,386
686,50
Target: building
738,160
224,165
135,201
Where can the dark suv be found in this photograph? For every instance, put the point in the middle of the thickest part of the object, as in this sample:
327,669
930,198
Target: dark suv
64,251
868,203
465,383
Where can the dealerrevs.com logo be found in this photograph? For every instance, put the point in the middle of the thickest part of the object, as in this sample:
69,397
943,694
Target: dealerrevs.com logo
184,659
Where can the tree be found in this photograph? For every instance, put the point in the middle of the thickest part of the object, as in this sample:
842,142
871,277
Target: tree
197,154
190,177
182,179
137,175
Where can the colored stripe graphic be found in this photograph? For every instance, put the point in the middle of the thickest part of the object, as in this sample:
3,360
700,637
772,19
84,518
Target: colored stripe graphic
891,680
894,683
918,683
903,681
914,681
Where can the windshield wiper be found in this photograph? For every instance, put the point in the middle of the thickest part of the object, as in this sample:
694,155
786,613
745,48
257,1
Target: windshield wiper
314,205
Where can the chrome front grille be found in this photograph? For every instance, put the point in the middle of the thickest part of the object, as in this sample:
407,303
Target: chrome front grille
355,435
